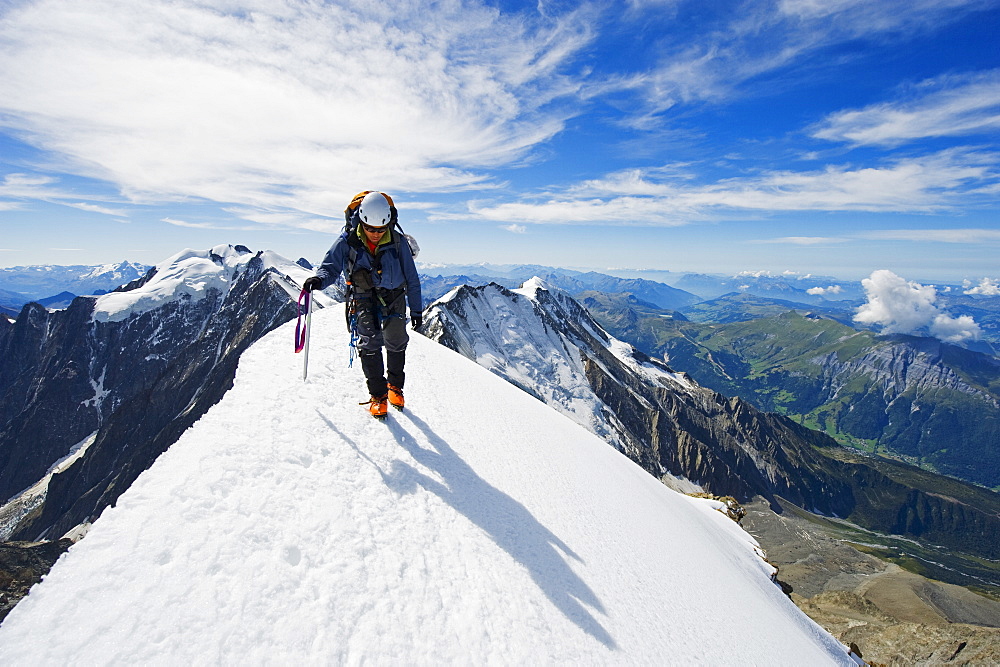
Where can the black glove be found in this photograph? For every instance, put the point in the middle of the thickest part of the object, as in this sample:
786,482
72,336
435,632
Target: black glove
312,283
416,320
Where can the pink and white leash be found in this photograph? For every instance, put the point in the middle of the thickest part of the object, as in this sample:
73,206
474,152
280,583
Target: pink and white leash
302,331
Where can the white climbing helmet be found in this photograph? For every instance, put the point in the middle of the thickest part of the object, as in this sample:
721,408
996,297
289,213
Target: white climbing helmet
375,210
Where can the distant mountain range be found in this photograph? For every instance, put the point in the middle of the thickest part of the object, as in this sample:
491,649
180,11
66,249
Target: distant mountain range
21,284
704,286
436,285
800,288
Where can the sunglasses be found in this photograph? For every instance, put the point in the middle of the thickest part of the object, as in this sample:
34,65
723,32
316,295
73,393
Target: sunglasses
373,230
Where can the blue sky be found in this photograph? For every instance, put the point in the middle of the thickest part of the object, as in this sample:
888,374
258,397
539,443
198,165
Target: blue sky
834,137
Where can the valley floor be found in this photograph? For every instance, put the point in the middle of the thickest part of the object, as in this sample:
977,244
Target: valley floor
895,617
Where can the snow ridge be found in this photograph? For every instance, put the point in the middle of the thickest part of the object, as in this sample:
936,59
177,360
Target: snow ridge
519,335
477,527
190,275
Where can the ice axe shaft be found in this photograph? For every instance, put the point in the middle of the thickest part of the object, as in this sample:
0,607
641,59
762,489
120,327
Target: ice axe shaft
305,356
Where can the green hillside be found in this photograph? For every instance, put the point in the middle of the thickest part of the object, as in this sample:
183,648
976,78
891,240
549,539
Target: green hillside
904,397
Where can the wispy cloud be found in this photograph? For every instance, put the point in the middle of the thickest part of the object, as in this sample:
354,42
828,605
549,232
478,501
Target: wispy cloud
963,236
925,184
804,240
515,229
279,110
934,235
187,224
766,38
95,208
27,187
290,219
289,105
190,225
948,106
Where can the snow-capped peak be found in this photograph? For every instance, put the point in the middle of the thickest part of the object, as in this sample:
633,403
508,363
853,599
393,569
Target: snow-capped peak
120,271
531,287
192,275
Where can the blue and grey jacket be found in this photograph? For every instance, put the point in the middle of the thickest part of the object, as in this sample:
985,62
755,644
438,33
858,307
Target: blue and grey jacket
391,266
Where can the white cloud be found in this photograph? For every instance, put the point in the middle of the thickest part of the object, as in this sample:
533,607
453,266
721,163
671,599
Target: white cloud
934,235
48,189
289,104
899,306
515,229
820,291
189,225
955,329
95,208
804,240
861,17
949,106
15,184
986,287
666,197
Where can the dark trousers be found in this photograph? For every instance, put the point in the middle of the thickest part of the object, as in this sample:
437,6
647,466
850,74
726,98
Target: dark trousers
382,323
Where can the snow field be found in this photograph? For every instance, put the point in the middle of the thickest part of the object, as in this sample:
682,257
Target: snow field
477,527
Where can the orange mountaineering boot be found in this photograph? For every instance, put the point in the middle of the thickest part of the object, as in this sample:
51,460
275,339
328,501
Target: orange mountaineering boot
376,406
396,397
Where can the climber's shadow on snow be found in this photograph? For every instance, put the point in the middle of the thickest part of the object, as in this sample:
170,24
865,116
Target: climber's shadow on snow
506,521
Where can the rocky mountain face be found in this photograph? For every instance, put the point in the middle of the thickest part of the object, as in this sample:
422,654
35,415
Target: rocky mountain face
546,343
91,395
22,565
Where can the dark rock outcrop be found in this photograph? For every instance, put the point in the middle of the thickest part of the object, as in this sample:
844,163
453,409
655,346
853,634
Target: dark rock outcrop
133,383
22,565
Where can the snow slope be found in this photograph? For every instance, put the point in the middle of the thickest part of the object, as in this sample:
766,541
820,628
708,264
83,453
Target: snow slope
477,527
